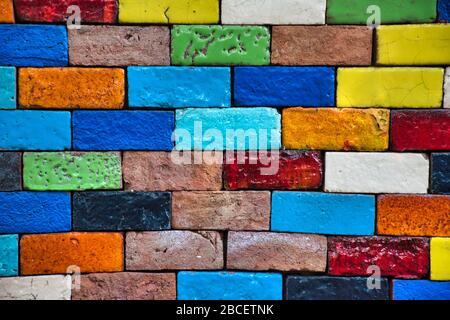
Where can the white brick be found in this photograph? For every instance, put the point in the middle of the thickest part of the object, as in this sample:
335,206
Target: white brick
366,172
447,89
55,287
273,11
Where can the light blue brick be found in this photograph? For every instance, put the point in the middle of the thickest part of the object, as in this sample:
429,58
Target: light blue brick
9,255
7,88
421,290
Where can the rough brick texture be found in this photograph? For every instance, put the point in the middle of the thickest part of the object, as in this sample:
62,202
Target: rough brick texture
53,287
10,171
6,11
440,173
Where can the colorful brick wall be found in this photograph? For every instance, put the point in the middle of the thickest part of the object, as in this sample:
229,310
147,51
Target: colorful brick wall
234,149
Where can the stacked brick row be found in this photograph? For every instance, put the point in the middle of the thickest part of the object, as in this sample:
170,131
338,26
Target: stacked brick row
356,121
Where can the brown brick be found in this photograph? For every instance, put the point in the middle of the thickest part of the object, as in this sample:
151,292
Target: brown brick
221,210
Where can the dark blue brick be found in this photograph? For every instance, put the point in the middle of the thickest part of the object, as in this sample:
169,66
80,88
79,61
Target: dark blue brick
444,10
10,171
440,173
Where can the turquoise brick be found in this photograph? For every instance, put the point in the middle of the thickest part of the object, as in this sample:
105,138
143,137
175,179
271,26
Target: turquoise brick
7,88
9,255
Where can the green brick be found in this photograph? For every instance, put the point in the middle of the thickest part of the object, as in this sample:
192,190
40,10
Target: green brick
392,11
72,170
220,45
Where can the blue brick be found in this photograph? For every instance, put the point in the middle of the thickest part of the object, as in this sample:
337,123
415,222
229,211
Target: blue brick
325,213
444,10
9,255
34,130
284,86
255,128
7,88
171,87
33,45
421,290
122,130
440,173
229,286
34,212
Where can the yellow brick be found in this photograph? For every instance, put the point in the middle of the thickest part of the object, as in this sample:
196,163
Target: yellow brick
414,44
336,129
169,11
440,258
390,87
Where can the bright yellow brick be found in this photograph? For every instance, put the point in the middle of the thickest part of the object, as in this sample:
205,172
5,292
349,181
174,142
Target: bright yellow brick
390,87
423,44
440,258
169,11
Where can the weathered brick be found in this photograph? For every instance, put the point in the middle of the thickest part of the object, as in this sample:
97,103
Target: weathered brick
6,11
324,213
34,130
221,210
281,170
54,287
399,257
390,87
420,290
447,88
9,255
126,286
113,210
71,88
174,250
444,10
72,170
119,46
440,258
364,172
10,171
34,212
229,286
7,88
332,45
440,173
222,45
55,253
420,130
413,215
424,44
335,129
276,251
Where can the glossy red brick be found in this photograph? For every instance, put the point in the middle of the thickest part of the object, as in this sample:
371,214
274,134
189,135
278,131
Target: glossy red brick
420,130
400,257
284,170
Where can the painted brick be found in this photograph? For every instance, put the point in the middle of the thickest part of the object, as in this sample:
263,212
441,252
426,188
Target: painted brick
220,45
332,45
325,213
119,46
7,88
400,11
55,253
335,129
6,11
229,286
165,171
423,44
72,170
121,211
413,215
9,255
421,290
276,251
440,258
440,173
284,86
169,11
34,212
169,87
399,257
334,288
174,250
281,170
101,11
55,287
126,286
10,171
122,130
71,88
444,10
447,88
365,172
33,45
273,12
248,128
390,87
34,130
221,210
420,130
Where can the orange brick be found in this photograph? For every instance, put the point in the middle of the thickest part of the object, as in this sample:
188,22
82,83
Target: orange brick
72,88
54,253
6,11
414,215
